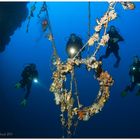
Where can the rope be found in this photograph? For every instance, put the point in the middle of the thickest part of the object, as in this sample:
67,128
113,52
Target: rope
75,127
50,30
98,47
76,92
89,25
89,17
72,78
30,16
80,50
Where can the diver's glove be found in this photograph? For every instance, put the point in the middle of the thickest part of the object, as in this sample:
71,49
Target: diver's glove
23,103
17,85
124,93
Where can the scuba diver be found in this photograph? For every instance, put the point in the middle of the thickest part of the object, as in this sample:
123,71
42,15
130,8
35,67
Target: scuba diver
134,74
29,75
73,46
113,47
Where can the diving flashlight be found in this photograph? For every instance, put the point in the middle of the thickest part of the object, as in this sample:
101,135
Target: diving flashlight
134,68
35,80
72,51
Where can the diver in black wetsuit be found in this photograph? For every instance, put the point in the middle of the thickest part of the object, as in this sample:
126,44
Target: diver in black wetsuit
134,74
29,75
113,47
73,46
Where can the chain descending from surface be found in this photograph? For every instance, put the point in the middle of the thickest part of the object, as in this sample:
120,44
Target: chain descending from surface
64,97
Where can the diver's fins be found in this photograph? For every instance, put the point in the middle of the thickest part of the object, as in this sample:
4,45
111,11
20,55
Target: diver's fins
23,103
124,93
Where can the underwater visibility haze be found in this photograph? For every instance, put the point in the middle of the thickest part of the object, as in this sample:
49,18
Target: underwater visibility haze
40,118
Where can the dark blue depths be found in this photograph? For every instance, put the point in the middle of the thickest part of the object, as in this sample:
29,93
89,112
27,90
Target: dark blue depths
120,116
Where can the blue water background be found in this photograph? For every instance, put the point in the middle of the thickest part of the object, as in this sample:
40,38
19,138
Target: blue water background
120,117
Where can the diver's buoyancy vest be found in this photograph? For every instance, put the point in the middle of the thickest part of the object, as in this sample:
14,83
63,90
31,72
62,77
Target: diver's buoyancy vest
114,35
28,72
